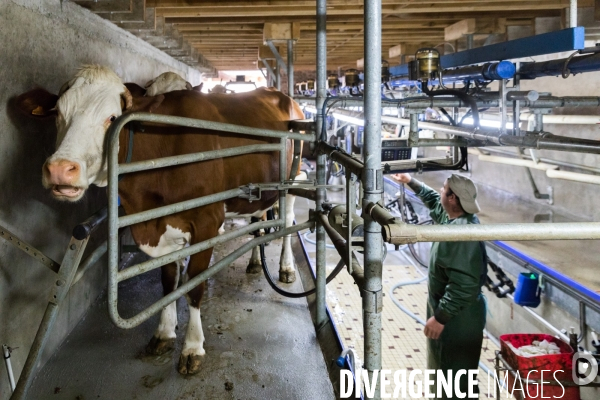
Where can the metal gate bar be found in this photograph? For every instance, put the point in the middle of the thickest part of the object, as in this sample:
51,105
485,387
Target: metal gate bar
190,158
177,207
195,248
192,283
114,277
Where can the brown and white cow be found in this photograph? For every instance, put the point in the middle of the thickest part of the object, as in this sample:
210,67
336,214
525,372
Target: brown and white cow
84,111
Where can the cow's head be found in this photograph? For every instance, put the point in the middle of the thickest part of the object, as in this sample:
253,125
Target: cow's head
84,109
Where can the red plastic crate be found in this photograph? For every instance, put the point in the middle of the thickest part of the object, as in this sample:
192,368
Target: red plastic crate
553,362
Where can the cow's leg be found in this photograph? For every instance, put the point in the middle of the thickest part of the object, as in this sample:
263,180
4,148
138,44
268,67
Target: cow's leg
255,264
193,347
171,240
211,217
287,271
164,337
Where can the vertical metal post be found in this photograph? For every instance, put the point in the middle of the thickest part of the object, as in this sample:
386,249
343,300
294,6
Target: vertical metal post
572,13
282,177
372,179
321,193
502,102
64,278
413,133
469,41
277,75
516,104
290,67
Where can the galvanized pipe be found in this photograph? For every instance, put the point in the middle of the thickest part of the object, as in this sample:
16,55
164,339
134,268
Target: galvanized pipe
201,124
113,171
305,193
372,180
321,262
340,245
11,378
402,234
29,249
487,102
290,67
548,161
154,263
195,157
397,232
351,164
90,261
61,287
195,281
136,218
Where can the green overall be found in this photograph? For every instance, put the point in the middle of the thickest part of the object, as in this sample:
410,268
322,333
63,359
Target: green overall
457,271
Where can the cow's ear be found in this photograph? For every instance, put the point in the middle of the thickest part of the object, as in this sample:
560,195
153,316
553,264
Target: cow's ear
37,103
198,88
147,104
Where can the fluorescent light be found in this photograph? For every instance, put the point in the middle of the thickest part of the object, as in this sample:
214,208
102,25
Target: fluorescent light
341,117
488,123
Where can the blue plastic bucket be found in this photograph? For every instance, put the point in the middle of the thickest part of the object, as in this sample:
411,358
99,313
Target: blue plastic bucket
526,293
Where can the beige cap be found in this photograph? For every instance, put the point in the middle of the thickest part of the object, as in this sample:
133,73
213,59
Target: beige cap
466,191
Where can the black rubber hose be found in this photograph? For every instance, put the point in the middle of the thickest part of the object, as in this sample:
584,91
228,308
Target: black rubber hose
271,281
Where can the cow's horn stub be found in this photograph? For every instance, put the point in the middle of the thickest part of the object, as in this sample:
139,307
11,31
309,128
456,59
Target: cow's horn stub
126,100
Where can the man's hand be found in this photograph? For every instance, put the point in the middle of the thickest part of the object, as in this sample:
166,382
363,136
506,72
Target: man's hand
402,178
433,329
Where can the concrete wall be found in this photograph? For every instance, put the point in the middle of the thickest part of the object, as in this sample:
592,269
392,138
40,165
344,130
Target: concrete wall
43,44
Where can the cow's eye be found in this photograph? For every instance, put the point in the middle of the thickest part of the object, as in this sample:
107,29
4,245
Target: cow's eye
112,118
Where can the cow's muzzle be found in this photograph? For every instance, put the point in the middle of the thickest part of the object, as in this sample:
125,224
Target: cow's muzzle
62,176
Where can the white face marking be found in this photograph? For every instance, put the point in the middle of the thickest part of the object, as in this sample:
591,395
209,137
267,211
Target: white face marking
166,82
172,240
84,113
168,322
194,337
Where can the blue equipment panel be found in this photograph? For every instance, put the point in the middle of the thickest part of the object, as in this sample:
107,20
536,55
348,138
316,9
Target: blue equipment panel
546,43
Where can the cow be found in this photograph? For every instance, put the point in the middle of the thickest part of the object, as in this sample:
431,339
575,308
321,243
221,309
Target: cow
84,110
168,82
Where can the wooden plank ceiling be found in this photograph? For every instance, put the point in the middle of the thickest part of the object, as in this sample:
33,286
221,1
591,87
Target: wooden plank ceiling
226,35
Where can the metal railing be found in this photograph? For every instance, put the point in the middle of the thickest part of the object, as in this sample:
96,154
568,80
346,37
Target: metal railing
115,222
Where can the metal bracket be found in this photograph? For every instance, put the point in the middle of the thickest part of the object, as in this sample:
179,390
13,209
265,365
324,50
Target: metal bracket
251,192
29,249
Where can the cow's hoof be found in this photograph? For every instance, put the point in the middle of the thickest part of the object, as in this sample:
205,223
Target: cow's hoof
254,268
189,365
158,347
287,276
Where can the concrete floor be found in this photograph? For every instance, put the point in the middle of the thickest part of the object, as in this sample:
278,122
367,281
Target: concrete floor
259,345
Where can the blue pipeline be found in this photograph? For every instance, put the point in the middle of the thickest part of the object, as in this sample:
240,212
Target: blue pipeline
486,72
576,65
